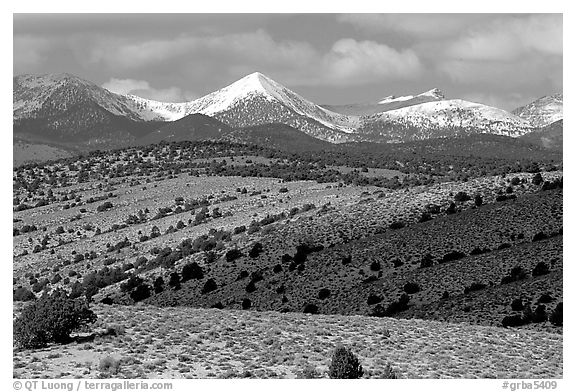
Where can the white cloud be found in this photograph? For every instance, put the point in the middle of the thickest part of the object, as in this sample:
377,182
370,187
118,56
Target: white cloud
143,89
347,62
510,38
526,73
29,53
424,26
125,86
353,62
256,45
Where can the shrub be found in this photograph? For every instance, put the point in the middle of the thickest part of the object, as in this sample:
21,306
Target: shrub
254,227
540,314
23,294
52,318
389,372
540,269
370,279
158,285
239,229
475,286
251,287
516,273
425,217
115,330
246,304
461,197
397,225
545,298
556,316
451,208
537,179
174,281
345,364
256,250
517,305
77,290
90,291
375,266
411,288
478,200
539,237
394,307
397,263
323,293
140,293
527,314
311,309
192,271
373,299
233,254
452,256
346,260
209,286
512,321
109,365
427,261
309,372
133,282
104,207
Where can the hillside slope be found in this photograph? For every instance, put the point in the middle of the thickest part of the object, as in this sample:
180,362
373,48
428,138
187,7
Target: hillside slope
212,343
442,119
192,127
278,136
550,136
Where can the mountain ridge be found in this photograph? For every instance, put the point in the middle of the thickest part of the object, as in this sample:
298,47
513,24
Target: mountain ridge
543,111
65,105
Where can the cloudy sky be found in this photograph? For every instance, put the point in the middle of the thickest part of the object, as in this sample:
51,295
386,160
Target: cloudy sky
503,60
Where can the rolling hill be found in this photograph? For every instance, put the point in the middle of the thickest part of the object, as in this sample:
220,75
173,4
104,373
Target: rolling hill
192,127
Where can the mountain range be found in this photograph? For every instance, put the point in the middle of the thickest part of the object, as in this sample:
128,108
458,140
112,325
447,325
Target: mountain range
69,111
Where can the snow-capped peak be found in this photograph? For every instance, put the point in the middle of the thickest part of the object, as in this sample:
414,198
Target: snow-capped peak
149,109
543,111
257,85
435,93
393,98
457,113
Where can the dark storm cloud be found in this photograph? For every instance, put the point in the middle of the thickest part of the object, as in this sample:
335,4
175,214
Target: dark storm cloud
503,60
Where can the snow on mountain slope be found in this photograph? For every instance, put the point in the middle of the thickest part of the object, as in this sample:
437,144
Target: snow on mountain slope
393,98
435,94
442,119
391,102
66,105
257,85
150,110
544,111
37,96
